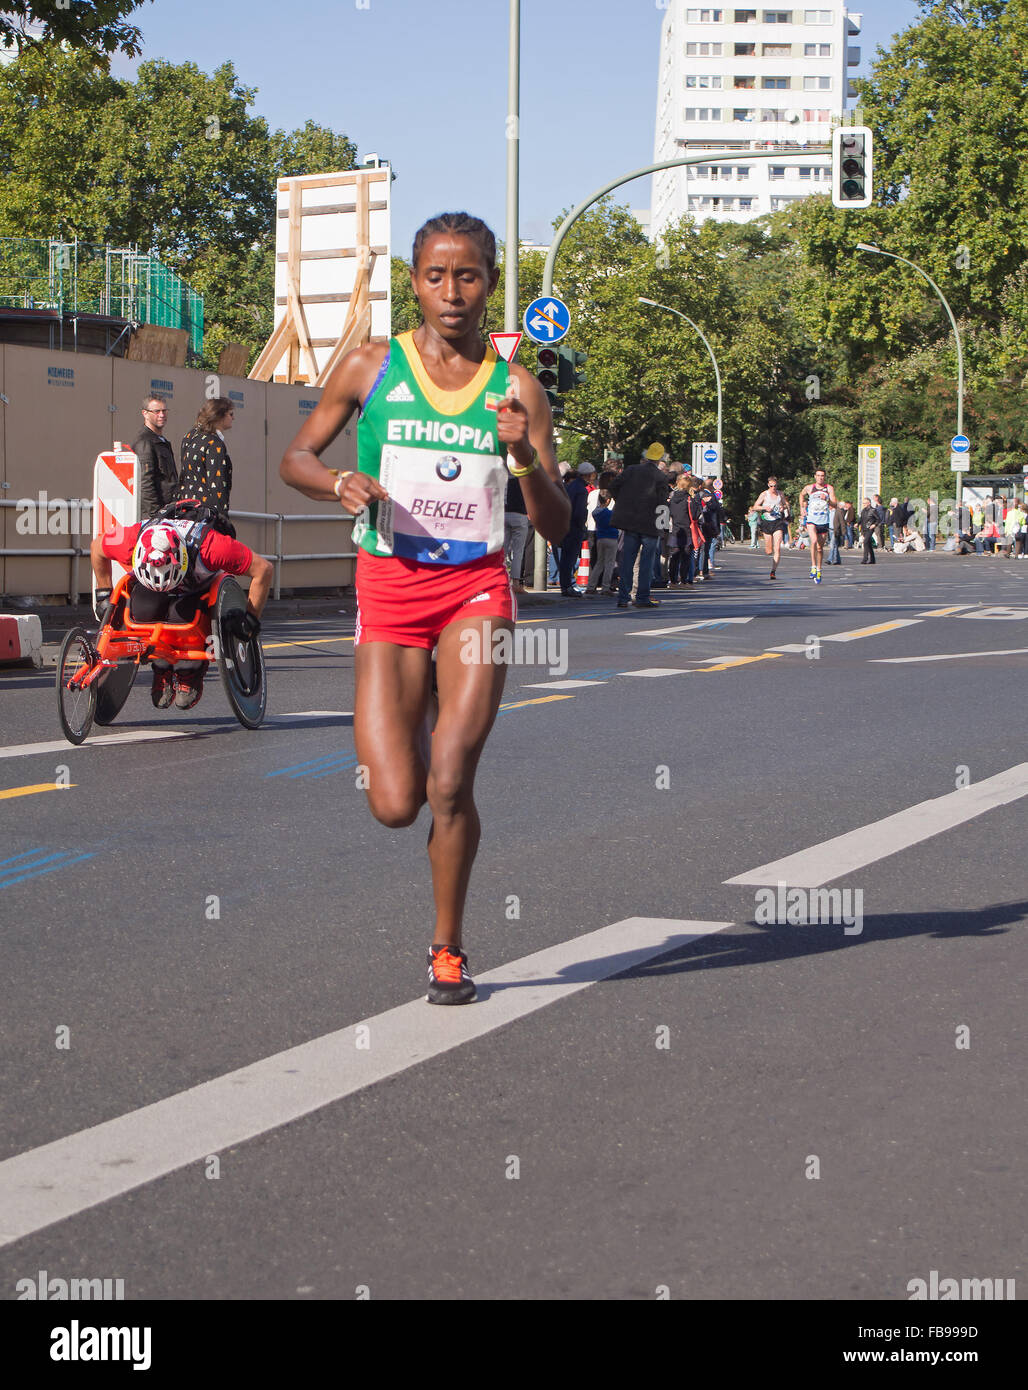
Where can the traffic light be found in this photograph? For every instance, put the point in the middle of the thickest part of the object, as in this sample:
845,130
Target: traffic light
852,166
547,372
570,368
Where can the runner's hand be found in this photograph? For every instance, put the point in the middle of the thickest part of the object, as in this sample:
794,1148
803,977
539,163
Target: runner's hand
512,425
359,490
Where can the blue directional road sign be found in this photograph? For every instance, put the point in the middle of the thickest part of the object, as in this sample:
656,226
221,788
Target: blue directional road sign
960,444
547,320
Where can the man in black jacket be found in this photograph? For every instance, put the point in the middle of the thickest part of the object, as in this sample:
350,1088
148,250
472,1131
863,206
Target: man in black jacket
158,477
638,493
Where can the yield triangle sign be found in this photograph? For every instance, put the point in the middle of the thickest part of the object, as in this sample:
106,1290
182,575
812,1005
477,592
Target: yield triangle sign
505,345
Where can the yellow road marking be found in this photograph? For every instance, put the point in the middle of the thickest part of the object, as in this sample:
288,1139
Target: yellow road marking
944,612
740,661
542,700
866,631
36,787
307,642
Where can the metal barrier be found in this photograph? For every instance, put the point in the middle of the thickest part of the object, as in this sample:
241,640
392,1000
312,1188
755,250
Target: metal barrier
85,509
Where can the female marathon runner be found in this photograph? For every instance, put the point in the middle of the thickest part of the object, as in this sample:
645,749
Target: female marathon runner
815,501
438,412
773,509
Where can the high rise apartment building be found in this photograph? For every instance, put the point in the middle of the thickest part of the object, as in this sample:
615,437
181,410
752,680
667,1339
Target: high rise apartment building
740,80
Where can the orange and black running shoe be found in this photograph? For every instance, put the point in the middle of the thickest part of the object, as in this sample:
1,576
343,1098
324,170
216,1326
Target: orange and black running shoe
448,978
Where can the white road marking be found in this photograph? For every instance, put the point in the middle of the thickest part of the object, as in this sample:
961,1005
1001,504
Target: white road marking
60,745
314,714
946,656
791,647
810,868
561,685
945,612
998,614
70,1175
688,627
653,671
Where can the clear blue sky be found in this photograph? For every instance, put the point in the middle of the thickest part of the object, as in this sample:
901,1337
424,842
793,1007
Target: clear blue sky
424,83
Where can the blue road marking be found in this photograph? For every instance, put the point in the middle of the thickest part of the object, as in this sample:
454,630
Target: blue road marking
329,762
49,864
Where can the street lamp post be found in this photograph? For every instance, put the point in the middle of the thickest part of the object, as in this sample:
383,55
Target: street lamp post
699,330
877,250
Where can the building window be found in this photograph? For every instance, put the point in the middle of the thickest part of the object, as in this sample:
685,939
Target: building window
767,115
703,16
778,84
745,16
702,113
817,50
778,17
745,50
776,172
745,81
777,50
743,113
817,16
703,79
816,117
817,84
703,50
745,204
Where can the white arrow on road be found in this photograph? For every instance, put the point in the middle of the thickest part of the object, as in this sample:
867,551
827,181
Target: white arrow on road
687,627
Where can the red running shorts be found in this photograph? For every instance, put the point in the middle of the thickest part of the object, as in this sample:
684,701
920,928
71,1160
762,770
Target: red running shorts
408,602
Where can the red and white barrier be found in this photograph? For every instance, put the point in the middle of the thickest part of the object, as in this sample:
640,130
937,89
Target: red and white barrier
116,497
582,577
21,639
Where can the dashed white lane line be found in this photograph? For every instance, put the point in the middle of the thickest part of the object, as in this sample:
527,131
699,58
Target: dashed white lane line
654,671
60,745
688,627
561,685
945,656
58,1180
810,868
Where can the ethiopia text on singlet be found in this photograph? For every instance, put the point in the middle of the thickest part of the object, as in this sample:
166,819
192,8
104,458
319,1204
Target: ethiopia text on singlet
436,453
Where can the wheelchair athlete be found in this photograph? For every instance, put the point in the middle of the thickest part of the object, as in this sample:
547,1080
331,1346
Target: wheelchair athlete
173,558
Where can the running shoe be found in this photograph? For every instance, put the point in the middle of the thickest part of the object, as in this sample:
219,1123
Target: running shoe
817,576
448,978
813,572
773,575
188,689
162,692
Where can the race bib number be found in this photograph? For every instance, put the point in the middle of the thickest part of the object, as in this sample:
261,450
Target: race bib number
445,508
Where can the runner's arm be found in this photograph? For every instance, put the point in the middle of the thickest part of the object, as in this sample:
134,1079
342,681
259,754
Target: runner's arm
301,466
525,429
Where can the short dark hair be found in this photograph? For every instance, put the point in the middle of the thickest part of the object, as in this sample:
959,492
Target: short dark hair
148,399
457,224
212,414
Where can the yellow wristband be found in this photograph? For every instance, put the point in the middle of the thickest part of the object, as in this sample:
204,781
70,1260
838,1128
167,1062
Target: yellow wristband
523,472
340,480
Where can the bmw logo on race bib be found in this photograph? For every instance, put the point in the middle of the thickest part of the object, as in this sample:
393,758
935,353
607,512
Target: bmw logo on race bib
448,468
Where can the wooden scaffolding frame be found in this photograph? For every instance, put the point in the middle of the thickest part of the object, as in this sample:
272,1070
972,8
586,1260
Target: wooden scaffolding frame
291,338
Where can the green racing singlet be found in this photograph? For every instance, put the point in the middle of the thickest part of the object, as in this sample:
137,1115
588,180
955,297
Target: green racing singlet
436,453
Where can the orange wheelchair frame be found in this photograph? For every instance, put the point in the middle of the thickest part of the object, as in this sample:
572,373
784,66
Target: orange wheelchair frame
95,672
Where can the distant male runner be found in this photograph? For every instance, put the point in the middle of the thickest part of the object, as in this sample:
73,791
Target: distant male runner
442,422
816,501
772,508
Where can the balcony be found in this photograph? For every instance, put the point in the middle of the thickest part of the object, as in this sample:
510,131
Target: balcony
852,57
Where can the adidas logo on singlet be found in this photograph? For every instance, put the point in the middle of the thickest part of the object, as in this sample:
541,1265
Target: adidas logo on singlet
400,393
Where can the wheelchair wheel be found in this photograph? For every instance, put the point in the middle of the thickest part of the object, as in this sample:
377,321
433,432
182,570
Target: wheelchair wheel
75,706
112,690
240,660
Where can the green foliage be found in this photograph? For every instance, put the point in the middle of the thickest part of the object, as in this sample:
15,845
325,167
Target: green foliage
173,162
95,26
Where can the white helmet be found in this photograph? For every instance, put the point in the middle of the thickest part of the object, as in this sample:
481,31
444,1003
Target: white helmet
160,560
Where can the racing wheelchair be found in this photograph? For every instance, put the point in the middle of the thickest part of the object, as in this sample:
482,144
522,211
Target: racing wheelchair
96,670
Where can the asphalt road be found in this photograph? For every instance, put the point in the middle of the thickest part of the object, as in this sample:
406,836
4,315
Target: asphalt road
752,1110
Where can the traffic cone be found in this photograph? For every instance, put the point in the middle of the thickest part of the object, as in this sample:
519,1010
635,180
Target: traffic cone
582,577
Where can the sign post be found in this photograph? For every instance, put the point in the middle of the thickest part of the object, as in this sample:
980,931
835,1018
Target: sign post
869,473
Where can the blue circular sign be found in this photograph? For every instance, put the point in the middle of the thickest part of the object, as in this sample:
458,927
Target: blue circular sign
547,320
960,444
710,456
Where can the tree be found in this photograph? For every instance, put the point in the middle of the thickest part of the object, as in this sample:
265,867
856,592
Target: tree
174,163
95,26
